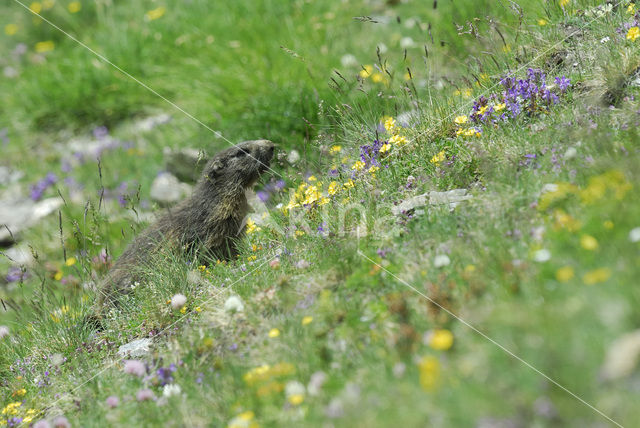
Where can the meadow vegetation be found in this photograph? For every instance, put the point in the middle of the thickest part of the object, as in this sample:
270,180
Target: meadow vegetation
355,301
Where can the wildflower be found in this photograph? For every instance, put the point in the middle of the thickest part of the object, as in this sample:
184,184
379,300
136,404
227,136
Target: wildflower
306,320
145,395
499,107
588,242
436,159
608,224
233,304
377,77
42,423
156,13
429,368
563,3
373,169
243,420
135,367
252,227
461,119
316,382
634,236
295,392
564,274
302,264
70,261
19,392
4,331
542,22
47,46
349,184
440,339
366,71
333,188
169,390
48,4
10,29
398,139
542,255
631,9
275,263
563,83
35,7
112,401
471,132
441,260
358,165
633,33
385,148
274,332
178,301
390,124
335,149
597,275
61,422
11,408
74,7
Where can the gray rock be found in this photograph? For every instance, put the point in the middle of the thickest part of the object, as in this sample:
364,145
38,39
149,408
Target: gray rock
451,197
7,176
166,189
20,255
186,164
18,214
147,124
137,348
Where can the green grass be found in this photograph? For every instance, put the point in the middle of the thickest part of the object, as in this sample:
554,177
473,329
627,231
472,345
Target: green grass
364,325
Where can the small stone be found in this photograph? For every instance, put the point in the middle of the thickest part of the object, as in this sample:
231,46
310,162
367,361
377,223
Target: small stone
186,164
166,189
147,124
137,348
20,255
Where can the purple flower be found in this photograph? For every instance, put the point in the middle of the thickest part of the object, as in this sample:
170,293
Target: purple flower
100,132
61,422
263,196
145,395
164,374
14,422
113,401
15,274
563,83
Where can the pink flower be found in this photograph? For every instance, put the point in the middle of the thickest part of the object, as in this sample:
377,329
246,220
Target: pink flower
145,394
113,401
61,422
134,367
43,423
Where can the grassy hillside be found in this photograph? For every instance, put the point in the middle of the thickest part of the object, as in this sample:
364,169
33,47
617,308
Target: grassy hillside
355,301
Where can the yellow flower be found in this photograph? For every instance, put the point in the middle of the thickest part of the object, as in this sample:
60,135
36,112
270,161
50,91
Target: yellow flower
564,274
274,332
377,77
482,109
588,242
19,393
183,310
74,7
349,184
10,29
565,221
471,132
467,92
296,399
633,33
563,3
385,148
299,232
306,320
48,4
542,22
156,13
198,309
47,46
312,178
461,119
390,124
441,340
252,227
335,149
58,275
436,159
243,420
498,107
373,169
333,188
597,275
608,224
358,166
35,7
70,261
506,48
631,9
12,408
398,139
407,76
366,71
429,368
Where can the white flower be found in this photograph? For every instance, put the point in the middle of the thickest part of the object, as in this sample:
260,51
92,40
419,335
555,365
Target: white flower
316,382
293,387
604,39
549,187
293,156
407,42
170,390
382,48
570,153
4,331
634,236
441,260
233,304
348,60
178,301
542,255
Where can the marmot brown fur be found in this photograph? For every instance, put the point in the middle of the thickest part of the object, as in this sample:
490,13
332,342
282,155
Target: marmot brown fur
212,219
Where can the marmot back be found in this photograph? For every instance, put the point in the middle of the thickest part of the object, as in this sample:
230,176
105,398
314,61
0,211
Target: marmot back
211,219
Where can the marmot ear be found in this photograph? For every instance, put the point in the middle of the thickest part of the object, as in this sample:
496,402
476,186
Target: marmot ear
214,168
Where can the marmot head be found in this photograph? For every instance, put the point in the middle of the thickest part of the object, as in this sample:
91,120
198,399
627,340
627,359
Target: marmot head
240,165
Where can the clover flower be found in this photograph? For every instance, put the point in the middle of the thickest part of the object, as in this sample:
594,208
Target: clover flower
135,368
112,401
145,395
